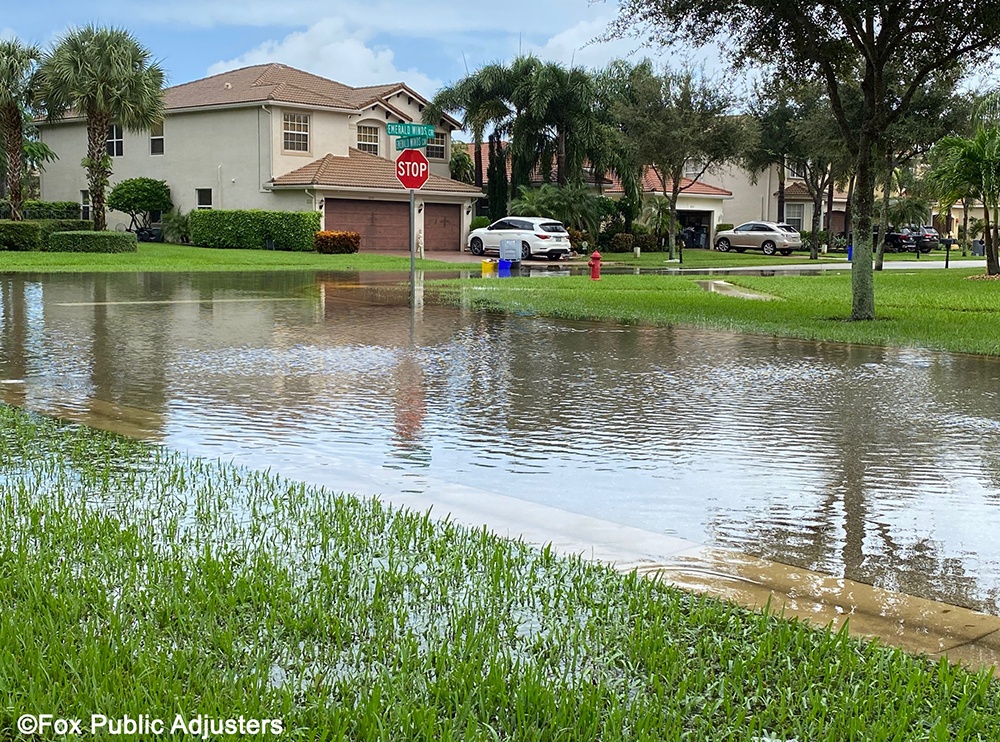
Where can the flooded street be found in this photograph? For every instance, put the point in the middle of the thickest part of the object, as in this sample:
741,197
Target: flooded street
878,465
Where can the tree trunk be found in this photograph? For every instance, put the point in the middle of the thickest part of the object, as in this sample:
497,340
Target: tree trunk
478,158
781,190
849,208
98,165
862,276
828,221
883,220
992,263
13,142
966,239
816,216
561,158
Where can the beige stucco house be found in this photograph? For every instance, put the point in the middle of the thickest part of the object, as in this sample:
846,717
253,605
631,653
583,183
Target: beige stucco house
274,137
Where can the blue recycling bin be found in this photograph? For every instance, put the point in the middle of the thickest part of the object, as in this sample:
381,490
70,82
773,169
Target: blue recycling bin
850,252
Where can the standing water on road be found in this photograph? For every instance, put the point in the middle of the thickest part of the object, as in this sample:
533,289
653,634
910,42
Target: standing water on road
880,465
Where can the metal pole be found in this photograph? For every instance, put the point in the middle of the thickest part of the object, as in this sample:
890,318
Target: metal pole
413,256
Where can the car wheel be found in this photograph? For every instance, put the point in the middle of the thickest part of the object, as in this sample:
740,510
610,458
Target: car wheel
476,246
722,245
769,248
525,251
786,252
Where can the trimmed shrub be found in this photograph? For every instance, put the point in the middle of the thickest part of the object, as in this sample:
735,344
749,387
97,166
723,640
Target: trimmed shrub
254,229
20,236
337,243
88,241
721,226
478,222
43,209
621,242
49,226
647,242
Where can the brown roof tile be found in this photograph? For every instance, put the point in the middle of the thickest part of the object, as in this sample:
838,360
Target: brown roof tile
797,191
363,170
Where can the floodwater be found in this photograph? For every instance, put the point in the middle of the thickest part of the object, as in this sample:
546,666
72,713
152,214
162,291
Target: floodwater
878,465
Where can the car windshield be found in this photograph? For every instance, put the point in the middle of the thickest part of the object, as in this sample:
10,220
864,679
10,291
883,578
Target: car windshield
551,227
788,228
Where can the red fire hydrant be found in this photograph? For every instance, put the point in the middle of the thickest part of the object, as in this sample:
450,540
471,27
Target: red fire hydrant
595,266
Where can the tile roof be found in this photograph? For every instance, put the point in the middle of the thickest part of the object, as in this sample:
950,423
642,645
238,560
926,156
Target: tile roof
611,184
278,83
797,191
363,170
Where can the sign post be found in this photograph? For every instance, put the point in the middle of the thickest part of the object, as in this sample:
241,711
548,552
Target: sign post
412,170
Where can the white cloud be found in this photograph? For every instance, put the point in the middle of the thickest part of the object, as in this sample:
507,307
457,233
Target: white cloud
329,49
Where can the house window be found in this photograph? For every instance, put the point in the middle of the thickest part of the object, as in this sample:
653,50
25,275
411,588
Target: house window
693,168
156,139
115,143
203,198
795,169
436,147
794,214
156,217
296,132
368,139
85,205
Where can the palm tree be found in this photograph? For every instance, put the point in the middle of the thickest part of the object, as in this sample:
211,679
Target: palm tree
971,166
18,64
106,76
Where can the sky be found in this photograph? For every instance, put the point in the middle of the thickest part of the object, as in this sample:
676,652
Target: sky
360,42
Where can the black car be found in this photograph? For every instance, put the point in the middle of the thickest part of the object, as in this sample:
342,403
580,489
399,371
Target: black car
898,240
926,238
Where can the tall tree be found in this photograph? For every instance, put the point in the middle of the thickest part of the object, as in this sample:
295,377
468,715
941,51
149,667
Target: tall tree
831,39
675,120
772,110
18,64
106,76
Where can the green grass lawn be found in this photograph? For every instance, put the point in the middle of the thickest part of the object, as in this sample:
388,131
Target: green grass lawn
715,259
934,309
136,581
168,257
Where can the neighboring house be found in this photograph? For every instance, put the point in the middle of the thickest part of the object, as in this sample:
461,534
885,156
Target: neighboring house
274,137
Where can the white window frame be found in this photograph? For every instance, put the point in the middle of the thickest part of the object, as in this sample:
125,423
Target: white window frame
295,132
438,140
692,168
156,136
795,221
197,199
795,170
370,143
85,205
114,144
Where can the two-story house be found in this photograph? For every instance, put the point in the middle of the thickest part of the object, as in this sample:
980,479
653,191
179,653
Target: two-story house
277,138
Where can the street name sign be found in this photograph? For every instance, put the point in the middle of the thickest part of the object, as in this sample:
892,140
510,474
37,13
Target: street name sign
410,143
410,130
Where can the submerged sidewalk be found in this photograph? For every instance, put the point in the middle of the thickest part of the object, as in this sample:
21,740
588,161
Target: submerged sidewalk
915,624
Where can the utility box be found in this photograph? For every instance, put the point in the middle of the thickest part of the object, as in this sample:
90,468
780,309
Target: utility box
510,250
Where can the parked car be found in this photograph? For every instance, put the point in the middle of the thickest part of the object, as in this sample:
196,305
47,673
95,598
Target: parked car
539,237
926,238
897,240
770,237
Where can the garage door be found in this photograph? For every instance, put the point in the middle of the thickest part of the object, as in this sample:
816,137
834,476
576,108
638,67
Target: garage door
383,225
443,227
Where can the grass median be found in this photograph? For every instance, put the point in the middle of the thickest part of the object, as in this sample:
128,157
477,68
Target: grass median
935,309
135,581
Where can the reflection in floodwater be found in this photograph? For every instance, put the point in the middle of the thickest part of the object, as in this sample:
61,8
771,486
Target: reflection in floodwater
879,465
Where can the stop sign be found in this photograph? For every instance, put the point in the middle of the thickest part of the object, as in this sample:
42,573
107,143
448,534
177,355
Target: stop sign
412,168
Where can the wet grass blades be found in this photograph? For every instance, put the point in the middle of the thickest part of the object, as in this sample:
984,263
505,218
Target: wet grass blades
136,581
934,309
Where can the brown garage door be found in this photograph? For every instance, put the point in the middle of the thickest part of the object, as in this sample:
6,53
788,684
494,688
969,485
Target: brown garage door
383,225
443,227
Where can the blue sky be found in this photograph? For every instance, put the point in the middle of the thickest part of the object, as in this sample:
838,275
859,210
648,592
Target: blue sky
359,43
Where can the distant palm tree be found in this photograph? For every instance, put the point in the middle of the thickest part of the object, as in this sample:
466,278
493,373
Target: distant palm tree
18,64
971,166
106,76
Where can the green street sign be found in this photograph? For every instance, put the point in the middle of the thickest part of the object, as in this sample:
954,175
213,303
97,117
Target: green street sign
410,130
410,143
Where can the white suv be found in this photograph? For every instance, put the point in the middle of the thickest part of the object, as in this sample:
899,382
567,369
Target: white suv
539,237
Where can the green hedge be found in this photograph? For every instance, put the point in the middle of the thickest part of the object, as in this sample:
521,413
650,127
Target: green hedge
254,229
33,235
86,241
337,242
21,236
478,222
43,209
